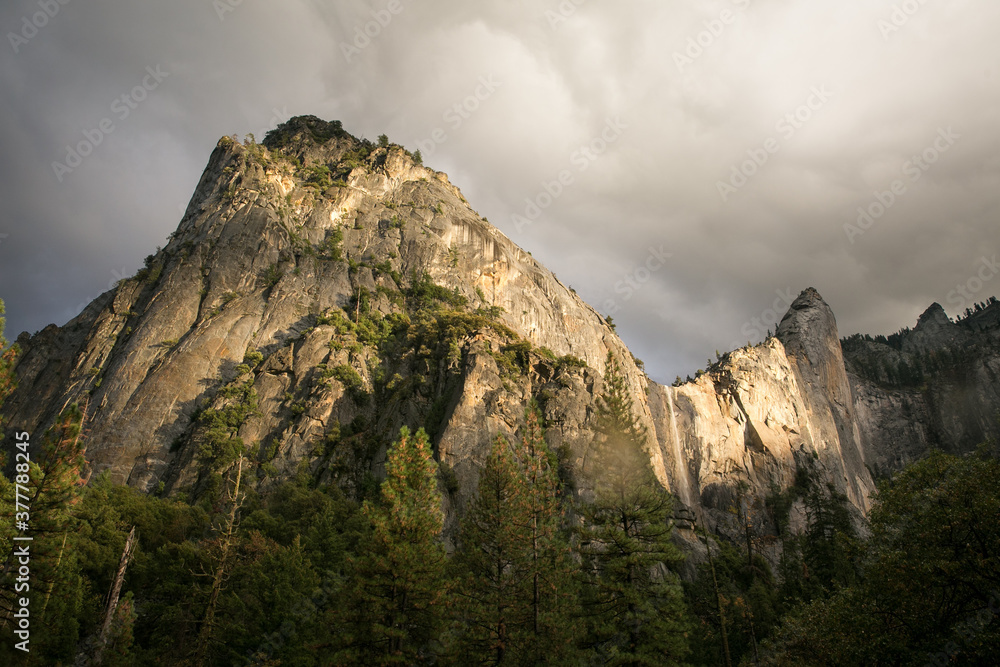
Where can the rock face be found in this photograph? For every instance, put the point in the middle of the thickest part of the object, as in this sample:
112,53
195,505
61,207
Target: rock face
276,236
337,290
937,385
763,412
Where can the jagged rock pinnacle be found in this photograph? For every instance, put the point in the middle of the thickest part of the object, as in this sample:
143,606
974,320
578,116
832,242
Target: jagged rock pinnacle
934,315
808,326
934,330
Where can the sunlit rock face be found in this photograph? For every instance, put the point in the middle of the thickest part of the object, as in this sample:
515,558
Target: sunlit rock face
281,237
764,411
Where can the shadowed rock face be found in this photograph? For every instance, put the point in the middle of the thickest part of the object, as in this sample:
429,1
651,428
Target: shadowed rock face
279,237
937,385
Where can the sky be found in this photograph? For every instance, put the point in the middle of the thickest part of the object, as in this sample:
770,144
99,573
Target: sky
687,167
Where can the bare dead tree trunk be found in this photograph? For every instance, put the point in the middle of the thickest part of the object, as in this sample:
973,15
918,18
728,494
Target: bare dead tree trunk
220,572
48,593
718,601
109,613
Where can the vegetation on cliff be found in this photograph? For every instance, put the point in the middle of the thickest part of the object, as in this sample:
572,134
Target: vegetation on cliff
305,574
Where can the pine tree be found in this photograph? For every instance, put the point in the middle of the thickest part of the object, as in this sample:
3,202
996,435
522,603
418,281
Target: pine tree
615,418
6,486
493,564
553,594
828,544
633,603
397,593
54,487
7,357
735,605
517,590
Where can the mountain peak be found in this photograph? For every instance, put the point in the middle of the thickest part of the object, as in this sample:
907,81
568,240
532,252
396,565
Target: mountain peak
809,319
934,315
809,297
302,129
328,256
935,330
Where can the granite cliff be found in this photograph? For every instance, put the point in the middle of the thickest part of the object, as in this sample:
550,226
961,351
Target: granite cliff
321,291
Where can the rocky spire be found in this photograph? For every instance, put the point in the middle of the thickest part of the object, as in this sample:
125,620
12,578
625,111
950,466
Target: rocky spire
809,328
935,330
809,333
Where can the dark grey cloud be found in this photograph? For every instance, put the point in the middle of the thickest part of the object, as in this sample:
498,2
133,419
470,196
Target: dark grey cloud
510,98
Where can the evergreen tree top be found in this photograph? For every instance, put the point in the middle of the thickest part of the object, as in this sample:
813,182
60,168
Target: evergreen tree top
410,497
615,417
